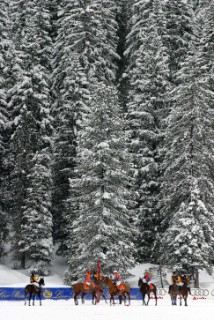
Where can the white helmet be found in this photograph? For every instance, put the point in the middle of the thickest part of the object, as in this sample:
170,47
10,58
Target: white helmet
115,271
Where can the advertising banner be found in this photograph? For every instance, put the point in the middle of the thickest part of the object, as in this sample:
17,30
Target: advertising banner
67,293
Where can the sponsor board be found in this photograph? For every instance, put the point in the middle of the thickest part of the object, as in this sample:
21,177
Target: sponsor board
67,293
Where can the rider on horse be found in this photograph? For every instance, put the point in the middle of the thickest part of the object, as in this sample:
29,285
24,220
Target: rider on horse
117,280
88,282
174,277
96,276
185,279
33,278
147,277
180,279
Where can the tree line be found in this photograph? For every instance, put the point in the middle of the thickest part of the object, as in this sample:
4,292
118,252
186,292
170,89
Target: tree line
107,133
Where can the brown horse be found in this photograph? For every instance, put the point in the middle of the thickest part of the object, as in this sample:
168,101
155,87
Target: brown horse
178,291
146,289
95,289
33,290
113,291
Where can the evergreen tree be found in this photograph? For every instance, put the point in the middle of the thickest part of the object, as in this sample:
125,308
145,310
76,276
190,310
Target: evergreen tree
101,229
179,35
70,108
147,108
121,77
188,186
5,83
85,49
31,140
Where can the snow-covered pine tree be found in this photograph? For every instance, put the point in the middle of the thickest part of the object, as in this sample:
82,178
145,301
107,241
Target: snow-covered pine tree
101,229
5,84
207,43
85,48
36,228
188,188
194,3
32,130
178,15
121,78
71,106
199,4
147,109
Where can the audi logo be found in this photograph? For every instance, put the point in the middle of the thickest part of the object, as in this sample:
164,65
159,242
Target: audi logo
161,292
200,292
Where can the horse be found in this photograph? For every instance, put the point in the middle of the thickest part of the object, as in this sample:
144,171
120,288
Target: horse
95,290
146,289
113,291
178,291
33,290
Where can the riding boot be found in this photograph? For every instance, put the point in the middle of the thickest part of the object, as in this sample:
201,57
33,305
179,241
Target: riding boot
120,299
189,290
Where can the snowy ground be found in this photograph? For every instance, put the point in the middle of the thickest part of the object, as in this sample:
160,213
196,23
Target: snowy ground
55,310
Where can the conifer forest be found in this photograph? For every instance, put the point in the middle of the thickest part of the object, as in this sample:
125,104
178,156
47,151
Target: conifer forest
107,133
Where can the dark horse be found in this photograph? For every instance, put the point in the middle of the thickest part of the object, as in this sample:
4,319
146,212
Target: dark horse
146,289
33,290
124,293
178,291
95,289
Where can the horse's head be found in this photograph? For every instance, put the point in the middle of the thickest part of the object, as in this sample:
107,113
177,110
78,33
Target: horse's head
105,279
140,282
41,282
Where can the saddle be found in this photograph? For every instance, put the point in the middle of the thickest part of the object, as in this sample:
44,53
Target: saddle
87,286
119,288
35,284
151,286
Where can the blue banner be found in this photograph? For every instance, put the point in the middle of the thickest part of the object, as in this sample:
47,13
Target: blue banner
56,294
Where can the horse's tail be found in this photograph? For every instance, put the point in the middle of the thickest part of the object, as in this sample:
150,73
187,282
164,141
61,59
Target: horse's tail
26,292
126,287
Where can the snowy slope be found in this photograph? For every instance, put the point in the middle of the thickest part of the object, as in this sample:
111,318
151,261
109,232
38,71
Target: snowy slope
19,278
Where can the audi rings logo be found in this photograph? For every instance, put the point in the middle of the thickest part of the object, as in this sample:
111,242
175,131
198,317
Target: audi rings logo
200,292
212,293
161,292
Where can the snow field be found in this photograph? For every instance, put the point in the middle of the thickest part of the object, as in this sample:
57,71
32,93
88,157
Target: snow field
63,310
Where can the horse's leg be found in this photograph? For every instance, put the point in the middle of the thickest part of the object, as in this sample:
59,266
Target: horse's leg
148,298
83,297
76,298
125,295
112,299
104,297
156,298
143,299
25,297
180,296
40,299
34,296
94,298
185,299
